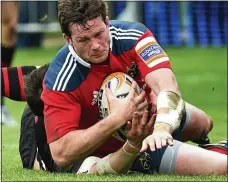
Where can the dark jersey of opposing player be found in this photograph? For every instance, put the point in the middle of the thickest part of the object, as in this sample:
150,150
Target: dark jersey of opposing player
71,85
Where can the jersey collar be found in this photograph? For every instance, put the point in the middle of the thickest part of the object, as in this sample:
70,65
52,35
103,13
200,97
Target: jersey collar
110,35
80,60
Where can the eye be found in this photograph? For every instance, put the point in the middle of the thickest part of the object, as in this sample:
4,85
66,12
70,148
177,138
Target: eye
83,40
98,34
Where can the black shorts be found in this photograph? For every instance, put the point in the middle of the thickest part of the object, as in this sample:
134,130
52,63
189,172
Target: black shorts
33,141
27,142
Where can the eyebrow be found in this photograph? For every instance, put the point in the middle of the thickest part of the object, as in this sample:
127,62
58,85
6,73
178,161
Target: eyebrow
85,37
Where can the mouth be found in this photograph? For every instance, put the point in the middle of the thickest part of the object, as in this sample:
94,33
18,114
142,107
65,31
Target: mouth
98,55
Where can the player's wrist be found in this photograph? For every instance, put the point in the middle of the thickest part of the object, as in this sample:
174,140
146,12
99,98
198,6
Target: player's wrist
130,150
118,120
134,144
163,127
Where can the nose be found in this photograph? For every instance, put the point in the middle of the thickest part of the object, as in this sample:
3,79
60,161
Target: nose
95,45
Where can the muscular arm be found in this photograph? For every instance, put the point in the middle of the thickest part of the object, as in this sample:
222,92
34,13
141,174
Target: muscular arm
78,144
156,70
13,82
162,80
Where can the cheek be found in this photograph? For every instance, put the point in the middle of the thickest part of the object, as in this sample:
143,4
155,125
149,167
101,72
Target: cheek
82,50
105,42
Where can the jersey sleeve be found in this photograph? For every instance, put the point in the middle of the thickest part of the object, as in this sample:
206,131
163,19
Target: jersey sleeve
149,54
13,82
62,113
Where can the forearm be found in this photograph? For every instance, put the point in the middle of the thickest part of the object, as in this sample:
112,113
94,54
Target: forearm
169,103
118,162
81,143
162,80
122,160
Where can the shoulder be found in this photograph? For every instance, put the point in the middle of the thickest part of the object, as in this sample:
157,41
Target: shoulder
125,34
65,72
126,26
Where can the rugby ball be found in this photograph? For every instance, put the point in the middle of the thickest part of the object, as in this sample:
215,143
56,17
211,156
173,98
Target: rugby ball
120,84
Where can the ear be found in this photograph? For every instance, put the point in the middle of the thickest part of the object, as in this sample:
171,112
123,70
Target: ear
107,22
68,39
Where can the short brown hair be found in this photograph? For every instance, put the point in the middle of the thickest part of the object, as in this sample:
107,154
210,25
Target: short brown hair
80,11
33,89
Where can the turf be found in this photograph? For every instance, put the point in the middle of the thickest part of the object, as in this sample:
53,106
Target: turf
202,77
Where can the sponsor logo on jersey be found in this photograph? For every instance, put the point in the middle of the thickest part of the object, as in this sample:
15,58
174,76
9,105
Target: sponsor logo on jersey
151,50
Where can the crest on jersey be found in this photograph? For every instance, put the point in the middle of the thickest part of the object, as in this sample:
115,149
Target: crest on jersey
95,97
133,70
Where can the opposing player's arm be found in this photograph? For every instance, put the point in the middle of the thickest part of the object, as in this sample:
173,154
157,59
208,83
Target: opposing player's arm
122,160
12,79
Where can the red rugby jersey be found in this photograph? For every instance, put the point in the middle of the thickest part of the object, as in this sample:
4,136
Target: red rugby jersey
71,85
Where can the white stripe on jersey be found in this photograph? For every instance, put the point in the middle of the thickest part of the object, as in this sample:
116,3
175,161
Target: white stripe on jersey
131,38
69,76
62,69
130,34
128,30
157,61
143,42
69,67
127,34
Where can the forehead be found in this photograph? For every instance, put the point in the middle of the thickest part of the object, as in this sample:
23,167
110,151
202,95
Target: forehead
95,25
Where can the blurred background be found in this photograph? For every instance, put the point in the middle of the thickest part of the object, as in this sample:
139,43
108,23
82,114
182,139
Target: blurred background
173,23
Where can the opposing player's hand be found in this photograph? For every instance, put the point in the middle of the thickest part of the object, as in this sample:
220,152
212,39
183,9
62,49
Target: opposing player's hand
139,128
124,108
142,107
157,140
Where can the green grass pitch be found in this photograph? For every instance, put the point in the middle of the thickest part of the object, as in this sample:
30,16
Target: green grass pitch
202,77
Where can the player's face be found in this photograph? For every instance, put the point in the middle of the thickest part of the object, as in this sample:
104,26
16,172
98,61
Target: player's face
92,44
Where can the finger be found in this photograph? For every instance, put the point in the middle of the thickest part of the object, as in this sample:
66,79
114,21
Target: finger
143,106
144,146
132,90
151,122
144,118
140,114
149,107
140,98
170,141
158,143
134,123
151,143
163,142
